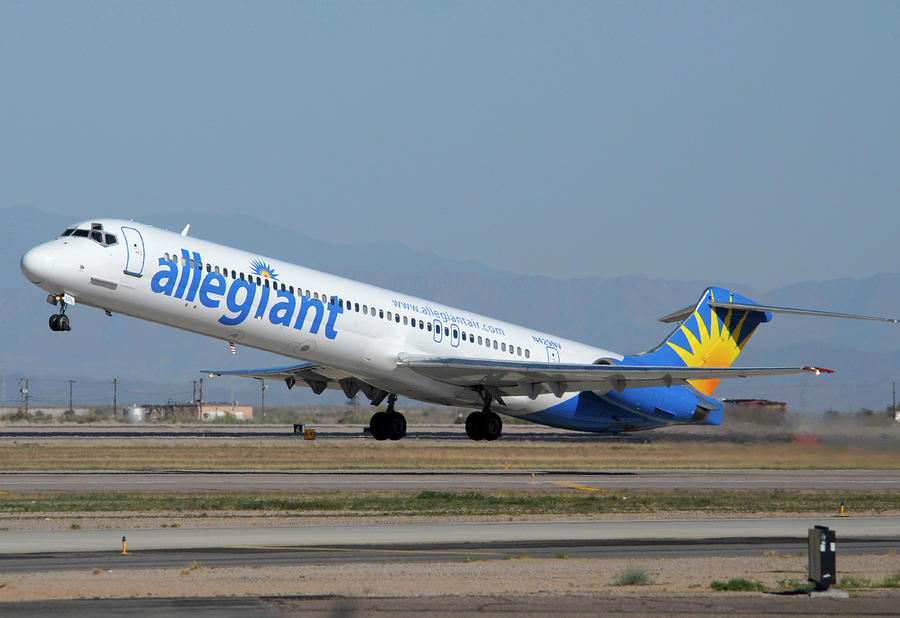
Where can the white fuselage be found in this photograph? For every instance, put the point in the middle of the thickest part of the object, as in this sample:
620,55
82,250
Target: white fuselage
270,304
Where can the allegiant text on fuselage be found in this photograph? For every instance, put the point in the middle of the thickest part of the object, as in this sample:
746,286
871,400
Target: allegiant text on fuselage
211,288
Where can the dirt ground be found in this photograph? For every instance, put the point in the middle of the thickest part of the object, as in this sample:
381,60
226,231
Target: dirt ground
491,577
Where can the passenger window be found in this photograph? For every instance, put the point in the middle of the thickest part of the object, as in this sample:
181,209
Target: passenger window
429,327
291,289
365,310
356,307
184,263
266,282
405,321
495,344
234,275
527,353
479,339
308,294
397,318
421,325
341,303
381,313
242,276
503,347
471,338
316,295
389,316
208,267
518,351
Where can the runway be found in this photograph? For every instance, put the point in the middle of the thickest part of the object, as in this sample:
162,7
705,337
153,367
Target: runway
387,480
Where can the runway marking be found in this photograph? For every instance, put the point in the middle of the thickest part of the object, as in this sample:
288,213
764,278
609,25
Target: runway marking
571,485
381,551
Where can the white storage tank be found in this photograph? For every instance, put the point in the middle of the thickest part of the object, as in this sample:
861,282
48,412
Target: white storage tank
135,414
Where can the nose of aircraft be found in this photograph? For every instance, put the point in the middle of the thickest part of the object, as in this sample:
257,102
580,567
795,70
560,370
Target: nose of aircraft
37,264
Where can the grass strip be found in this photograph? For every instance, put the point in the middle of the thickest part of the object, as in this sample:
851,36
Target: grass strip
451,503
356,454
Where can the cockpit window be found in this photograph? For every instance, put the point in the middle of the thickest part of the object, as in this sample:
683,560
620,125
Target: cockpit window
96,234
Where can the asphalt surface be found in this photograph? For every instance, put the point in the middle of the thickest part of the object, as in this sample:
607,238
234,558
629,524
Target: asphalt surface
479,533
292,481
427,552
714,604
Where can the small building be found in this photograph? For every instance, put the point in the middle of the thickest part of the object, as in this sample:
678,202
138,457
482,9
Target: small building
206,411
762,411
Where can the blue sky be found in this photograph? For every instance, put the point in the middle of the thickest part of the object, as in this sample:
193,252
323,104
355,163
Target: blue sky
749,142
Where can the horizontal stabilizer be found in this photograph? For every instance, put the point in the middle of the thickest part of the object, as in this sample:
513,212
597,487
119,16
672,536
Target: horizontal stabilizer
791,310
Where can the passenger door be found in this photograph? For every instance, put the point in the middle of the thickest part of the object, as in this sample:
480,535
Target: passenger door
134,246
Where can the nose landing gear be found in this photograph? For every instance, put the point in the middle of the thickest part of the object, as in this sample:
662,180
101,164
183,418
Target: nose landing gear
60,321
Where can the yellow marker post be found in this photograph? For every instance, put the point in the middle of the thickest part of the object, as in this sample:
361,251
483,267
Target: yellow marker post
532,477
124,553
842,508
507,466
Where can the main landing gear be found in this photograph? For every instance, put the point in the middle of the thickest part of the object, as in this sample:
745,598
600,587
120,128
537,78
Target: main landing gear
60,321
484,425
388,425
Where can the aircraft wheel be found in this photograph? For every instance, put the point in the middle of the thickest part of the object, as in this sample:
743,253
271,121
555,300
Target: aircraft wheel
54,321
64,323
492,426
378,426
396,425
475,425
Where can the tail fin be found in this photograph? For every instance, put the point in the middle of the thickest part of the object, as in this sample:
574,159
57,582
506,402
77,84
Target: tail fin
708,336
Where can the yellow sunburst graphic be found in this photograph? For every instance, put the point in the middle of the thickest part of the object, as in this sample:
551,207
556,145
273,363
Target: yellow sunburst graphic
713,346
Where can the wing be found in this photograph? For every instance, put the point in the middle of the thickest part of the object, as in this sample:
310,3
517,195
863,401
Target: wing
511,378
317,377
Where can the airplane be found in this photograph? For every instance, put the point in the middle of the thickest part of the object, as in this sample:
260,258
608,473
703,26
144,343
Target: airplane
360,338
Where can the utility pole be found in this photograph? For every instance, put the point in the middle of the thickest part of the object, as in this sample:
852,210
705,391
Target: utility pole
115,396
71,409
23,388
194,397
894,405
262,391
200,403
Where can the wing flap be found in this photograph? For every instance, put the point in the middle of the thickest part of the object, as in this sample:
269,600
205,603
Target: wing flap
532,379
317,377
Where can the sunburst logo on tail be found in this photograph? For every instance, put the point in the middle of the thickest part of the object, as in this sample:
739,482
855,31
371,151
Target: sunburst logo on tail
712,342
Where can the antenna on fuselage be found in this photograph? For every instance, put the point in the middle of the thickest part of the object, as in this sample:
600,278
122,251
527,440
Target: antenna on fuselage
186,229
